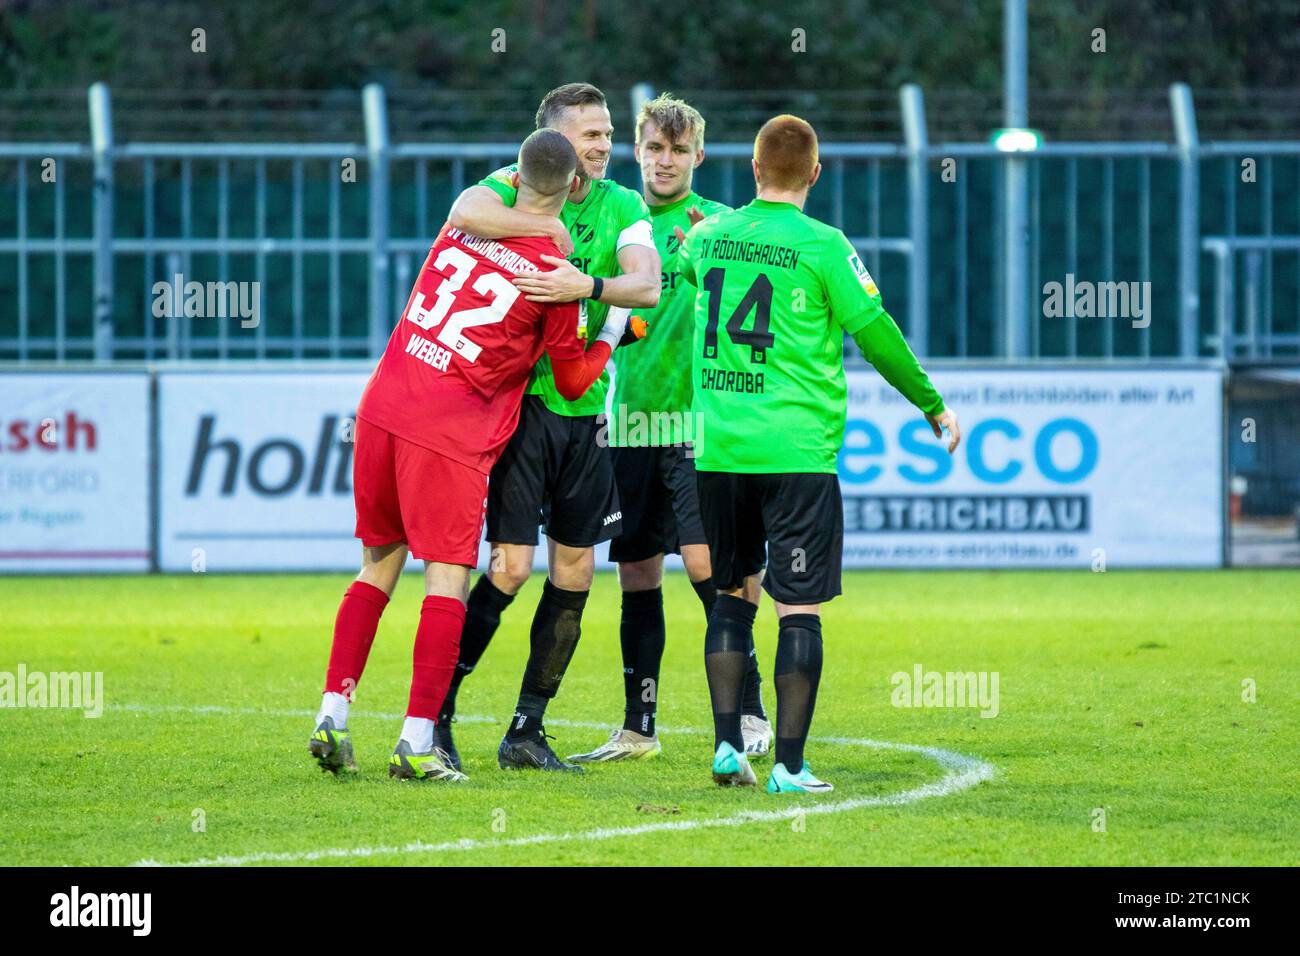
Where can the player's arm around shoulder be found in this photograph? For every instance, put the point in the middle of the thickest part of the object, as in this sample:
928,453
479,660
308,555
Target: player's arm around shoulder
485,210
638,259
856,304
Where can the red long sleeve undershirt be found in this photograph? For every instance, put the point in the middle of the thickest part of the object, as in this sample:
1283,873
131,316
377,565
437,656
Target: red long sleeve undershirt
575,376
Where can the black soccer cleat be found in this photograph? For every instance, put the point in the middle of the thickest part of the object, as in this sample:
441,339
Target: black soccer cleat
531,752
332,748
442,741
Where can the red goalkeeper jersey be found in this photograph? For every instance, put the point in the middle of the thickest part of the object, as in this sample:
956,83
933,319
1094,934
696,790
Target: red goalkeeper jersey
454,371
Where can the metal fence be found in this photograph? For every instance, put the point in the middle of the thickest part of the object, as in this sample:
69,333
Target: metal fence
963,238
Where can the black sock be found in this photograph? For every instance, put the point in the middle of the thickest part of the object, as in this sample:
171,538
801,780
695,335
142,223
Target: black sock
529,711
797,674
641,633
557,625
482,617
730,632
707,593
752,700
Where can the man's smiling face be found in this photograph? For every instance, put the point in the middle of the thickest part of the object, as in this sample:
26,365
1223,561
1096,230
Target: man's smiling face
667,168
590,131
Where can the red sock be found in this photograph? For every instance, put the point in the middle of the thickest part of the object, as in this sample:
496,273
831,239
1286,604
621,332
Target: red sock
354,632
437,644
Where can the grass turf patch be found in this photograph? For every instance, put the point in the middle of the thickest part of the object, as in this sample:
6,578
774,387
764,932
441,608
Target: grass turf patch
1120,692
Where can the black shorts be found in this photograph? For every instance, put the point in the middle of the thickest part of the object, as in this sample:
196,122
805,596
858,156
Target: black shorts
792,524
661,509
554,473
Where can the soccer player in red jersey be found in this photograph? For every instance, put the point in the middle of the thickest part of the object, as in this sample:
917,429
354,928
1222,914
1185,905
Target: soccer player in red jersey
433,419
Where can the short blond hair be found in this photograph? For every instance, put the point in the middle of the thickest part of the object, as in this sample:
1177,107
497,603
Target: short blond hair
786,151
675,119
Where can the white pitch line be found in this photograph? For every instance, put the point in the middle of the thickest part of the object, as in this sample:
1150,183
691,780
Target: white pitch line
962,773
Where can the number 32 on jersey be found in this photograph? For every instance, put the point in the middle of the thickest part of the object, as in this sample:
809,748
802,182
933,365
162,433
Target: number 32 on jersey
452,333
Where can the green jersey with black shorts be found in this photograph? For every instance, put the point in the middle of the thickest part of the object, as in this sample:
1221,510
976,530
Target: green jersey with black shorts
555,470
609,218
650,425
776,292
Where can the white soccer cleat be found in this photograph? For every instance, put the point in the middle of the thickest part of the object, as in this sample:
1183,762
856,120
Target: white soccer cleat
757,735
783,781
622,745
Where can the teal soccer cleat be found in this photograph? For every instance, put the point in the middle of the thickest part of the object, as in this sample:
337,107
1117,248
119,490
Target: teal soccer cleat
731,768
783,781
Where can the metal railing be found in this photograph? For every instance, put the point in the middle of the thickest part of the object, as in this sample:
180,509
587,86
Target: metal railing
332,234
1258,339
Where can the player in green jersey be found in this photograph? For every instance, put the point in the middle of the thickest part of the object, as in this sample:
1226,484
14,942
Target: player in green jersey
777,292
555,471
651,433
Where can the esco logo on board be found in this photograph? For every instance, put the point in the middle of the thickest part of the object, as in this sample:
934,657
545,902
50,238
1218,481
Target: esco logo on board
991,451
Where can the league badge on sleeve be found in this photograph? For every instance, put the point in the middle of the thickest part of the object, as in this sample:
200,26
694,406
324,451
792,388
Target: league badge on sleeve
863,275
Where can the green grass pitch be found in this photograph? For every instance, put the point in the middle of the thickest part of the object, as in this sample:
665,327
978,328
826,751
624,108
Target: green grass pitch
1122,735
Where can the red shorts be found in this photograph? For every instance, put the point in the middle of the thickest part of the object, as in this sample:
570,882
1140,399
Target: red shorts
405,492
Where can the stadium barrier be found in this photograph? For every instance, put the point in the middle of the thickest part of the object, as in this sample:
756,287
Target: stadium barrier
184,468
331,234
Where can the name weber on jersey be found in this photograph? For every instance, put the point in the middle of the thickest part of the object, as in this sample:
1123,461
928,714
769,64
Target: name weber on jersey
430,353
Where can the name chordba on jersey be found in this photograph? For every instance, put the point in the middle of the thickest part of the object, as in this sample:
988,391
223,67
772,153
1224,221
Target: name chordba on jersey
725,380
